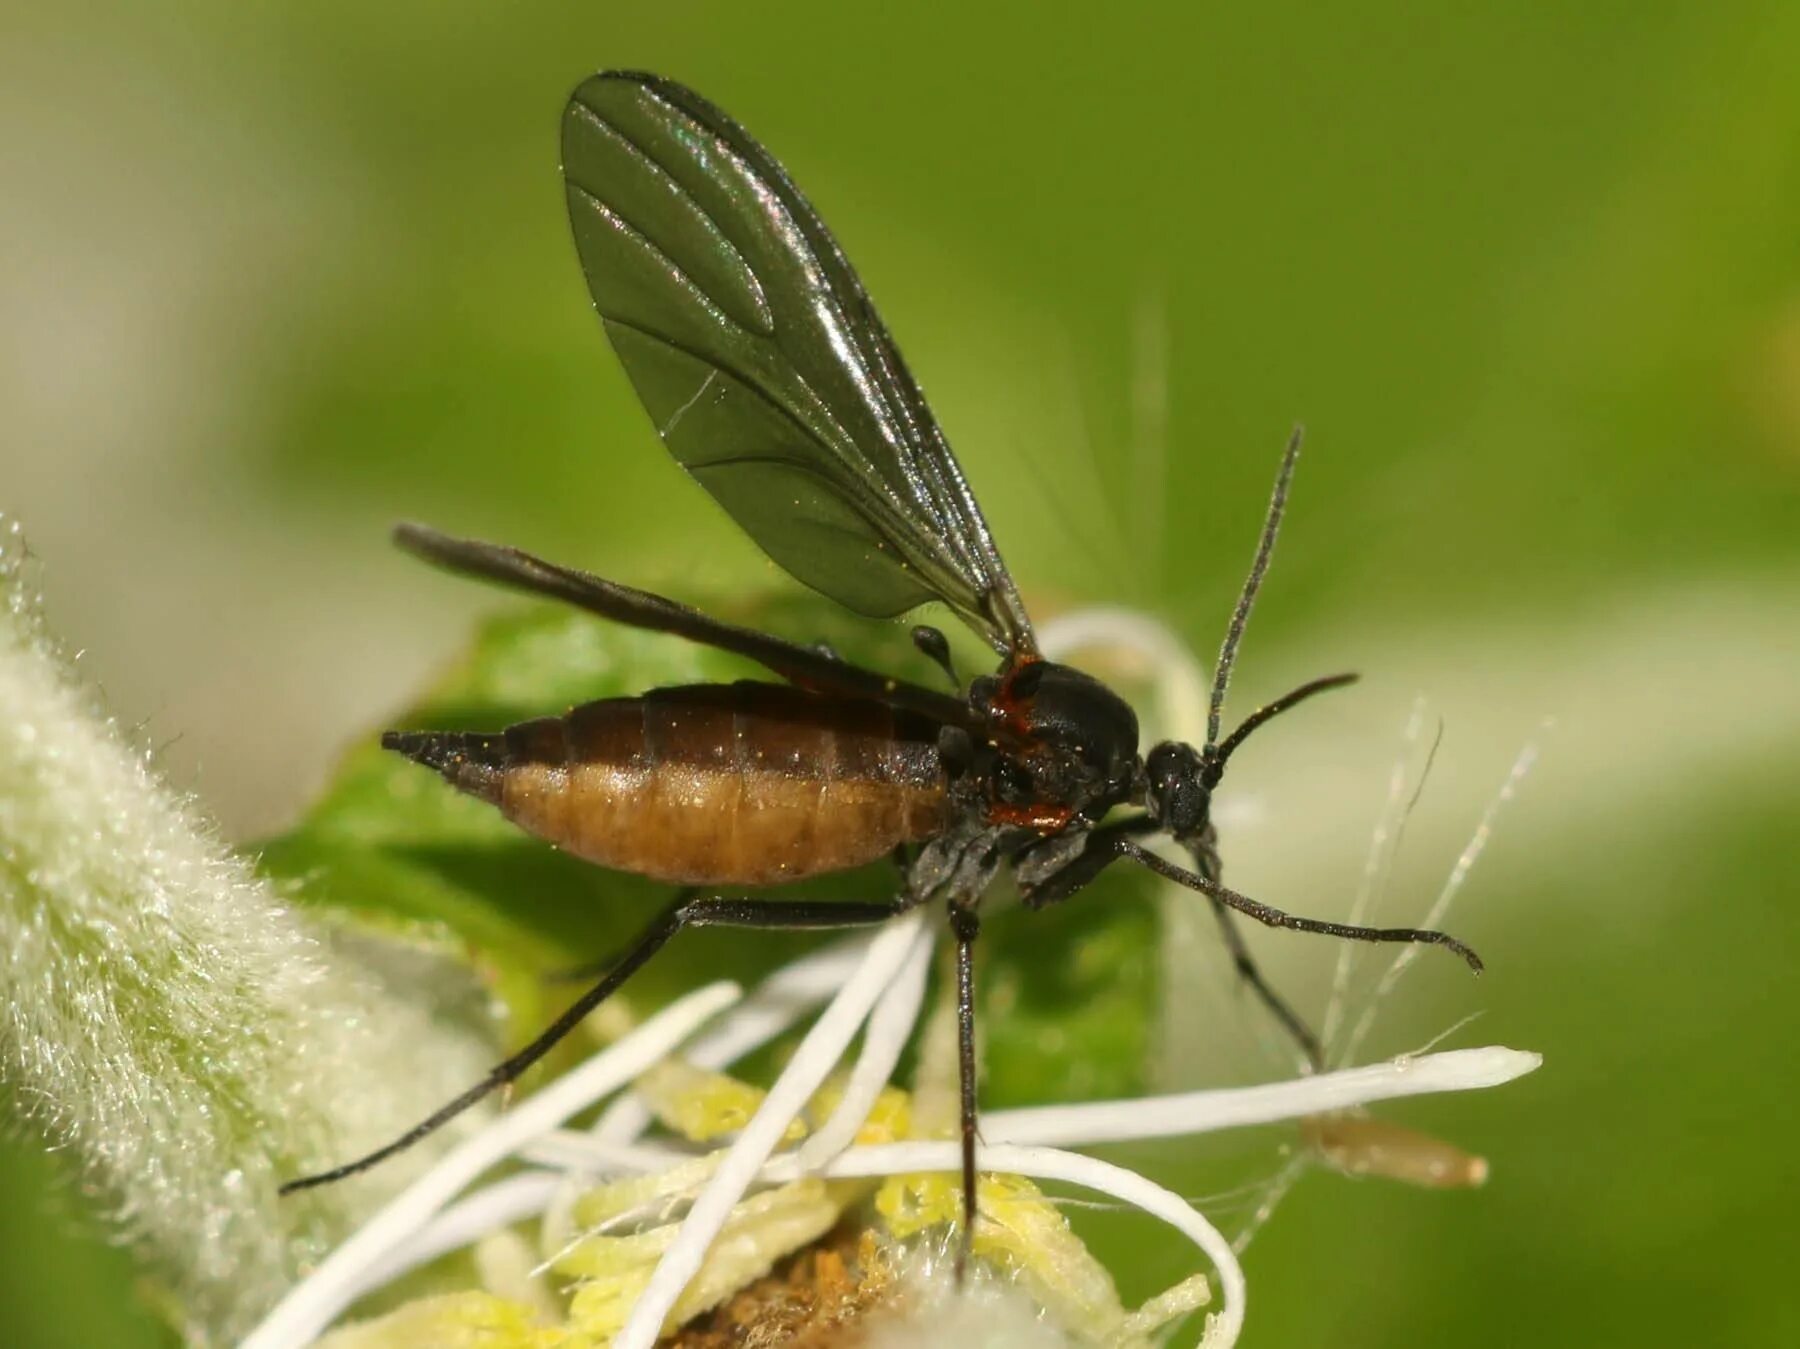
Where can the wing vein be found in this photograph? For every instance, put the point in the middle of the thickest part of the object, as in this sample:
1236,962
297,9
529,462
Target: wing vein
667,180
688,227
670,268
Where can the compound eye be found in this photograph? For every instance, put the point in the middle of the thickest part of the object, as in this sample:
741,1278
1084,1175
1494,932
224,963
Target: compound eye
1178,797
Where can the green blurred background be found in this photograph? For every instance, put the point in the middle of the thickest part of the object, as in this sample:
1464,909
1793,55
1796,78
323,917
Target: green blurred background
274,276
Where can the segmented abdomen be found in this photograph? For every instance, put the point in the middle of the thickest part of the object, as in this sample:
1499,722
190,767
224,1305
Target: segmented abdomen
711,784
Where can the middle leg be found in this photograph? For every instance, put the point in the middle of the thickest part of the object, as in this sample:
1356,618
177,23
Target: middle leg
966,926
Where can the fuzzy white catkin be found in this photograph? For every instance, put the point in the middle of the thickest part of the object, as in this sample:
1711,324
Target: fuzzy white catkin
165,1021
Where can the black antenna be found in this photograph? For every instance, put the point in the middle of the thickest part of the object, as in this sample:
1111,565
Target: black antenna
1215,760
1252,583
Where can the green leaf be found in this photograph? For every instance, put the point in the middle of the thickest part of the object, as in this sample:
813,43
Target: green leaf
1068,996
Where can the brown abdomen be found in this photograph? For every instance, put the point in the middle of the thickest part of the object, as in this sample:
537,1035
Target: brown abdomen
711,784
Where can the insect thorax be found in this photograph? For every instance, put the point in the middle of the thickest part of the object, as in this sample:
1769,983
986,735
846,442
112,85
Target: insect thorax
1061,749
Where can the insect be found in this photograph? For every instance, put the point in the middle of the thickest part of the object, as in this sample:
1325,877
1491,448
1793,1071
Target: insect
770,378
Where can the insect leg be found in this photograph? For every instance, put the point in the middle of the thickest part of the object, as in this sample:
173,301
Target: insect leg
750,913
1251,974
1273,917
1104,848
966,926
593,969
1206,862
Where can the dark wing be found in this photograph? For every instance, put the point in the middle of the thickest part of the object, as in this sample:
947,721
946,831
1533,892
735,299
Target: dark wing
805,666
763,364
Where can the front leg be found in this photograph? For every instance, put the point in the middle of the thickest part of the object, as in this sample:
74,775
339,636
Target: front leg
1104,846
1047,874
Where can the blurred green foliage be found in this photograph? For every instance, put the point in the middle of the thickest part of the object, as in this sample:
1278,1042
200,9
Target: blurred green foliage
1528,272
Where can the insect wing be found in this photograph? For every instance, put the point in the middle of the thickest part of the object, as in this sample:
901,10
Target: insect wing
805,666
762,363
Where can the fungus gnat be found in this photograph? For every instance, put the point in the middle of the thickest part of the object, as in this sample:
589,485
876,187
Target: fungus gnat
771,379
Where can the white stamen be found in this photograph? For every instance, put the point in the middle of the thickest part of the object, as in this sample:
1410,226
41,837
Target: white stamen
775,1005
888,1159
890,1027
1196,1112
1184,1114
517,1197
817,1055
579,1151
1377,866
485,1211
313,1304
888,963
1452,887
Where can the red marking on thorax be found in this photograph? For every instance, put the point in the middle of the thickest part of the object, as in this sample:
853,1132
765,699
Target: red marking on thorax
1014,712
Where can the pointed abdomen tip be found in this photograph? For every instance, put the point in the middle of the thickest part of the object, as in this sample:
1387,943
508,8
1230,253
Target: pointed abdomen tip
470,761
